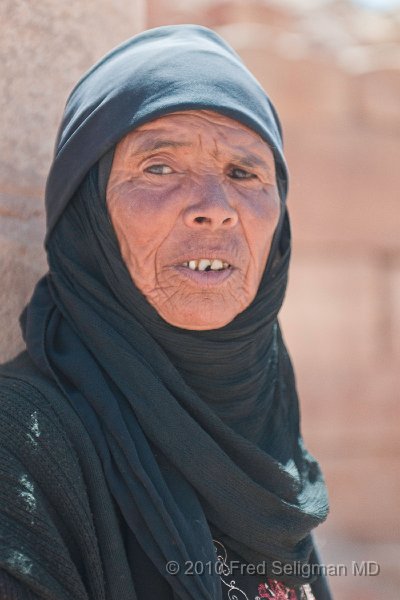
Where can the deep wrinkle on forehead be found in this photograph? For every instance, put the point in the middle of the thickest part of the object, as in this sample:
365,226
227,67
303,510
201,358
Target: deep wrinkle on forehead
152,145
148,139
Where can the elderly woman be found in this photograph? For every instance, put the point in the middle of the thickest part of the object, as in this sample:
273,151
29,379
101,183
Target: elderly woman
150,432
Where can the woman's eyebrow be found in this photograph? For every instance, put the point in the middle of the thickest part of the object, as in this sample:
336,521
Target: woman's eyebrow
152,145
251,160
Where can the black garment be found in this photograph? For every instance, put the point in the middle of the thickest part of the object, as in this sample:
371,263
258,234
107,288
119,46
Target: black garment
59,532
62,534
12,589
190,427
249,582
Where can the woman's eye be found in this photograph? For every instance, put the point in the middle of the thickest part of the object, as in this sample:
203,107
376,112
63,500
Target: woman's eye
236,173
159,170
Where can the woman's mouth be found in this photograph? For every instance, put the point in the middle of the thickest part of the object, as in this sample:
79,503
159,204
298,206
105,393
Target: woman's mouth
206,264
206,271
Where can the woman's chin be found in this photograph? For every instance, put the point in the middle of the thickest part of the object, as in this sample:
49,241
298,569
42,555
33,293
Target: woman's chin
199,320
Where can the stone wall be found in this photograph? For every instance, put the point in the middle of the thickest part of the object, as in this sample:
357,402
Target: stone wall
44,48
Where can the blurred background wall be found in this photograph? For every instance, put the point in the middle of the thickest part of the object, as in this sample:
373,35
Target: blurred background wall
333,70
45,47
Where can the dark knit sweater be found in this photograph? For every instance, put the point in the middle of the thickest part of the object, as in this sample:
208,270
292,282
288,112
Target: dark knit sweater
60,537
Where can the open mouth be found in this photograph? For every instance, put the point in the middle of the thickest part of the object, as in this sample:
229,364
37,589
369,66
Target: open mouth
206,272
206,264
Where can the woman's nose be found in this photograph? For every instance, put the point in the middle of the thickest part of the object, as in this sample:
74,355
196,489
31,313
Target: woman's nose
210,209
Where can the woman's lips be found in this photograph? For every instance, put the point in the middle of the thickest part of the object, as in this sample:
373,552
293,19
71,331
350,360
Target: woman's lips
205,278
206,267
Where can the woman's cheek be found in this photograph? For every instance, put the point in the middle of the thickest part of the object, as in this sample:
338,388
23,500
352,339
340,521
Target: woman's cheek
144,213
152,199
260,208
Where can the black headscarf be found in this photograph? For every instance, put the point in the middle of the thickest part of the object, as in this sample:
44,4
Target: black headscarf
193,428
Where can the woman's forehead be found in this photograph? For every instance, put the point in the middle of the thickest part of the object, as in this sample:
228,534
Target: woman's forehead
183,128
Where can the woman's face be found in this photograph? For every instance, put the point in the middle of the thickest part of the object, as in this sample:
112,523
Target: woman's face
193,200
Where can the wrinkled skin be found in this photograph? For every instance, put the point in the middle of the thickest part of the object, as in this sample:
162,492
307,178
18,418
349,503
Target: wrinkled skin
187,186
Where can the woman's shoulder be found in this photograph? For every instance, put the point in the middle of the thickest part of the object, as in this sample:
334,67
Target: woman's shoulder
44,500
23,383
21,372
57,512
33,411
37,443
42,437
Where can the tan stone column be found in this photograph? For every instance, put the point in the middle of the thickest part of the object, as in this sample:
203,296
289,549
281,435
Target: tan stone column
44,48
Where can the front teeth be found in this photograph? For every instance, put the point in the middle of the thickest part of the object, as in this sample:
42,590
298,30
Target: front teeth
206,264
203,264
217,265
